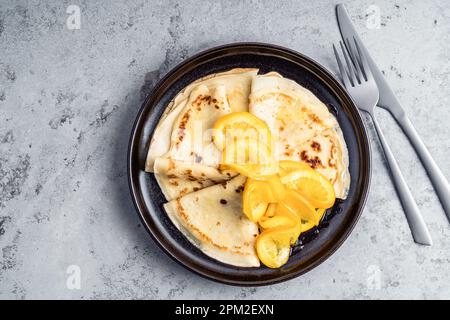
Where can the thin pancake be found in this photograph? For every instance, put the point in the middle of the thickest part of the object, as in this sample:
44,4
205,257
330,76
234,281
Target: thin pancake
326,153
191,135
296,117
212,219
237,83
177,178
192,146
293,113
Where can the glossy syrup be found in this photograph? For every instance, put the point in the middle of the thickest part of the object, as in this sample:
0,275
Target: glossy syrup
313,233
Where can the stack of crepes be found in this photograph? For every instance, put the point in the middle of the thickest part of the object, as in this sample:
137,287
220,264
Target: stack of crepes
205,202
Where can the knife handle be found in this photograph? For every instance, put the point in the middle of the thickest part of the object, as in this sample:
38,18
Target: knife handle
416,223
437,178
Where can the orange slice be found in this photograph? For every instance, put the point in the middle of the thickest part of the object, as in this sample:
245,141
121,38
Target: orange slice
256,198
311,185
273,247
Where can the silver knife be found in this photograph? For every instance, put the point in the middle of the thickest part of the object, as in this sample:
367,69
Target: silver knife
389,101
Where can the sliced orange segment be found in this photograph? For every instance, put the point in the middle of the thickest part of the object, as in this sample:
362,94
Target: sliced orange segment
287,166
280,216
273,247
313,186
256,172
275,222
271,210
302,207
278,189
307,225
239,125
276,216
256,198
295,228
250,158
320,213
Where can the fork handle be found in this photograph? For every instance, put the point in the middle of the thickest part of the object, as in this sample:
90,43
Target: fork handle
416,223
437,178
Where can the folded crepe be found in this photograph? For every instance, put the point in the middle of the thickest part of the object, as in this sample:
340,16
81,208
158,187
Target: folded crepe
237,83
302,127
181,153
177,178
326,153
212,219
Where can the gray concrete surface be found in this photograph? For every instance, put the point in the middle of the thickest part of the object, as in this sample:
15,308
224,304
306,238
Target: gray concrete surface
67,102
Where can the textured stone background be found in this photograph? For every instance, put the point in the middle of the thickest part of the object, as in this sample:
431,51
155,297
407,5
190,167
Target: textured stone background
67,102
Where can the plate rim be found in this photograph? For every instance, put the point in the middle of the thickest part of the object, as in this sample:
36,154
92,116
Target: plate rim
152,96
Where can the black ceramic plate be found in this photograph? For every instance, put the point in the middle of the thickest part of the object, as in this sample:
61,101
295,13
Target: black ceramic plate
315,246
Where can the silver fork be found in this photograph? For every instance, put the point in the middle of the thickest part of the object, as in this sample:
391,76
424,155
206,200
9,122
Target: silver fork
359,82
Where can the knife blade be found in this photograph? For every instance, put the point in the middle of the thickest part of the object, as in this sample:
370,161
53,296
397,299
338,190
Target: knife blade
389,101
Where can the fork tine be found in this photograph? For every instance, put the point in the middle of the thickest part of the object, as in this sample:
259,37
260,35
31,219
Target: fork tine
351,74
343,73
355,60
364,64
